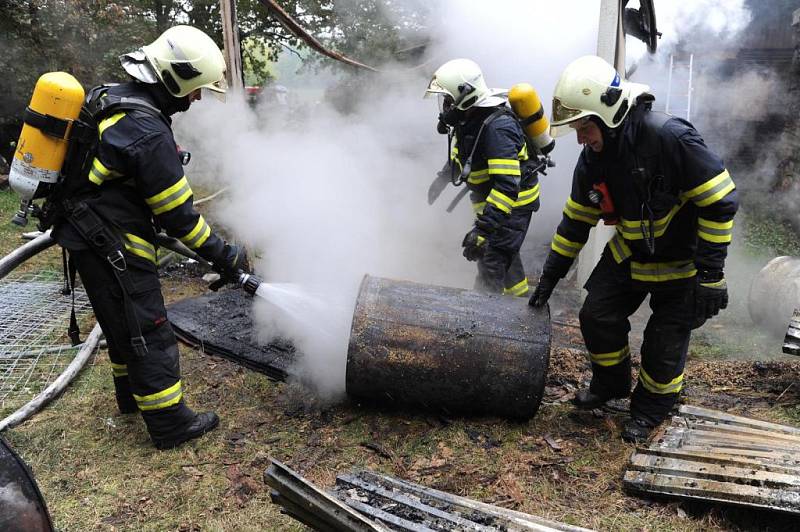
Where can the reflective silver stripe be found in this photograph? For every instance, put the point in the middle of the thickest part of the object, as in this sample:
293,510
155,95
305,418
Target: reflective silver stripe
479,176
139,246
526,197
503,166
632,229
198,235
718,232
565,247
619,249
650,384
662,271
612,358
170,198
501,201
723,184
581,213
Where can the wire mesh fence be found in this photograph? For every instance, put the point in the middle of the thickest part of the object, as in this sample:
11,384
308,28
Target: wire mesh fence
34,346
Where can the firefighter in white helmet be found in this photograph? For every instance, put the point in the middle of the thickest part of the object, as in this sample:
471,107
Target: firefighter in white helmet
108,221
489,152
672,203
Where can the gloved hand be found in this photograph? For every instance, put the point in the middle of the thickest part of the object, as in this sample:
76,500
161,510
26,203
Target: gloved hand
474,245
233,261
711,295
543,290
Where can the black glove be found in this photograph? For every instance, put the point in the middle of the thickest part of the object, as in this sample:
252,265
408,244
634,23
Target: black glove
230,264
543,290
710,296
474,245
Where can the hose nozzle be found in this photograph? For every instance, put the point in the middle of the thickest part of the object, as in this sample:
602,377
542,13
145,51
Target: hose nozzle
249,283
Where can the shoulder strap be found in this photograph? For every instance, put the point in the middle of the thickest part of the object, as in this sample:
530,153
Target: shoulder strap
467,166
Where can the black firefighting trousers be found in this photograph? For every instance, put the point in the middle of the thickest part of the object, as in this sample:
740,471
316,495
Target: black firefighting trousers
500,269
149,383
611,300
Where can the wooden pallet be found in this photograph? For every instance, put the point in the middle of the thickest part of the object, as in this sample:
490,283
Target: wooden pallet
710,455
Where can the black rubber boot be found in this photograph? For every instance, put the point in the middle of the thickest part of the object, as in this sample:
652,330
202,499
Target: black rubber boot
636,430
203,422
587,400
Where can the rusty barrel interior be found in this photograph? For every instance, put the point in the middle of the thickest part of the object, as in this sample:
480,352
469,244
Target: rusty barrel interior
22,507
449,350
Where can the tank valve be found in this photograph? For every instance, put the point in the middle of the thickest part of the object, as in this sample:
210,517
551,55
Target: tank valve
249,283
21,218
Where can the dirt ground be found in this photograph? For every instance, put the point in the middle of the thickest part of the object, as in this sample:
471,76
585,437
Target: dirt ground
98,471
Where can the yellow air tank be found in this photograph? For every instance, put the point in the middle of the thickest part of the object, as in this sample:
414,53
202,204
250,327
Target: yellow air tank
42,146
528,107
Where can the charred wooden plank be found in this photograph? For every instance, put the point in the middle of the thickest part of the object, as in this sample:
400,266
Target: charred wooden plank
392,494
312,506
715,456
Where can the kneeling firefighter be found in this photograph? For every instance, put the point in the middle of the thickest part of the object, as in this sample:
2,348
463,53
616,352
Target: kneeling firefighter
490,153
123,179
672,203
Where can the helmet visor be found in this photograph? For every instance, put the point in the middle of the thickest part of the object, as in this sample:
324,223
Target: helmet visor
563,114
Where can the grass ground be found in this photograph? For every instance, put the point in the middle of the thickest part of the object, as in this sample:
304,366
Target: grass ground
98,471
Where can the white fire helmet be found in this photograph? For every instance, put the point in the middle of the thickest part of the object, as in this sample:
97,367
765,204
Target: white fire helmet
589,86
462,80
183,58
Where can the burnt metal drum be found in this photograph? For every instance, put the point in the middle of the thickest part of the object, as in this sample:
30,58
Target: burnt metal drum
22,507
449,350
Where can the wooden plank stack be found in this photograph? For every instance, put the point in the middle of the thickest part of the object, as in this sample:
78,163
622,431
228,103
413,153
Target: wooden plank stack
710,455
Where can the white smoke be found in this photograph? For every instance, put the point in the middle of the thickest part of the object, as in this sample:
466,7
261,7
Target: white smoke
330,198
716,23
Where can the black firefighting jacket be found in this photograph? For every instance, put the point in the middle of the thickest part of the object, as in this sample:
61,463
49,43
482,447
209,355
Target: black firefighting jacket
669,192
498,183
137,185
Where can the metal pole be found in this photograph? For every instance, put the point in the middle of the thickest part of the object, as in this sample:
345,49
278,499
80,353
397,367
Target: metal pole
669,80
233,53
689,92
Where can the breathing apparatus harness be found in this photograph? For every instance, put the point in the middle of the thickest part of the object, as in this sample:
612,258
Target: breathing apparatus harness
64,203
450,119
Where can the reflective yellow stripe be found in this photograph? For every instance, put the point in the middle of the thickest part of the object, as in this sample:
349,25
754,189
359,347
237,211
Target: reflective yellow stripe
519,289
619,248
170,198
100,173
662,271
526,197
479,176
503,166
159,400
712,190
139,246
565,247
718,232
198,235
523,153
108,122
632,229
501,201
610,359
478,207
581,213
673,386
119,370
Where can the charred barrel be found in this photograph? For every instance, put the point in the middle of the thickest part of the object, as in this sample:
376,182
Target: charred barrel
22,507
447,349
